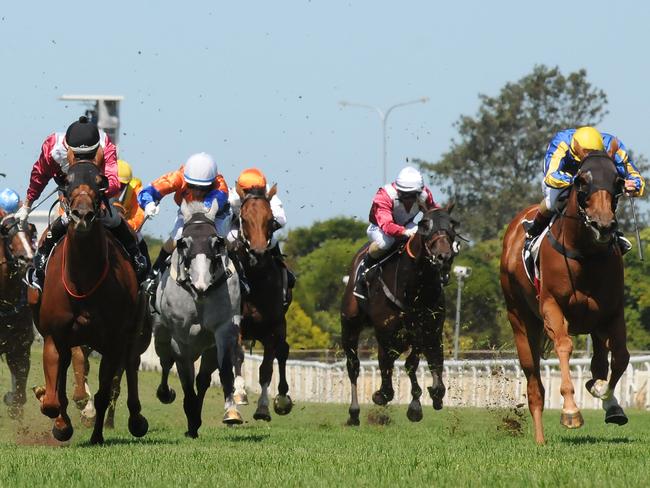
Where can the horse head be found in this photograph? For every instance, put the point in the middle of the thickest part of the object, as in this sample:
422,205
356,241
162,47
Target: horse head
83,194
199,249
17,241
597,187
256,219
438,232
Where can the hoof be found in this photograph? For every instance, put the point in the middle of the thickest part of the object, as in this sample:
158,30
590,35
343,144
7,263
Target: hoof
436,394
50,411
262,413
232,417
81,403
192,435
138,425
165,395
414,413
572,420
379,398
62,435
240,398
39,392
96,439
353,421
615,415
282,404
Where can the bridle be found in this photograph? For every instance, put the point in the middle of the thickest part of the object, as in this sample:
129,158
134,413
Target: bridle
8,230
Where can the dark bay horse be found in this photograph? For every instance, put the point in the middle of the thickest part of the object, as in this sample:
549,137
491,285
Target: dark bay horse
580,292
16,327
406,308
89,298
263,310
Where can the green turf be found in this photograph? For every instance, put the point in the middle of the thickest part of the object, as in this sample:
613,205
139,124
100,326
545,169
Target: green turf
312,447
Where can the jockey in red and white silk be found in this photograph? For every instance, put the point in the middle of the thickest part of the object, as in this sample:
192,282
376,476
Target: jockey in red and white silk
395,206
53,163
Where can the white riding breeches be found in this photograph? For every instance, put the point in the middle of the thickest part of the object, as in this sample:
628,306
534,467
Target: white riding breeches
383,240
555,198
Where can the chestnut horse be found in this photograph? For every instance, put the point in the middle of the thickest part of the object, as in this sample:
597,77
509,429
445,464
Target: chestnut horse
89,298
263,308
580,292
406,308
16,327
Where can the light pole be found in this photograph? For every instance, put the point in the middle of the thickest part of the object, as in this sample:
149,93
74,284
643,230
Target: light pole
461,273
383,115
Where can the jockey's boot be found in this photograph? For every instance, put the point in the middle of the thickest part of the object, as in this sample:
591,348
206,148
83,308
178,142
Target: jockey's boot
623,242
535,227
128,239
290,279
366,271
243,281
36,272
159,265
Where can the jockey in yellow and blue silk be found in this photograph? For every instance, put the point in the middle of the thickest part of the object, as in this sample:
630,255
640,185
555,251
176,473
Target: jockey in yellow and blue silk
562,162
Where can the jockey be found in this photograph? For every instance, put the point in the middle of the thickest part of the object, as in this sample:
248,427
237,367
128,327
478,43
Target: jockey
392,215
249,179
9,202
562,162
82,142
197,180
126,203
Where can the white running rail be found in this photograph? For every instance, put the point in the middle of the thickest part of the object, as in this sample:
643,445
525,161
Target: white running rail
470,383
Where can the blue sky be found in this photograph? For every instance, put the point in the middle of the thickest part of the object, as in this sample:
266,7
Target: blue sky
258,83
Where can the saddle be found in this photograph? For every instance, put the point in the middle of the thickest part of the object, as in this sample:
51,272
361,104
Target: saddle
530,255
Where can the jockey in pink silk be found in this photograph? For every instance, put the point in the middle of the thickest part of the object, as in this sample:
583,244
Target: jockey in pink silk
392,216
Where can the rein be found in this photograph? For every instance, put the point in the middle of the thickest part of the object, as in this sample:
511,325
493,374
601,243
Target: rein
95,287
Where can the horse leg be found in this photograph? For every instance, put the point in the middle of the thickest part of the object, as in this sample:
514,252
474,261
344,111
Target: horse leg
240,396
527,341
62,429
162,343
266,371
282,403
226,341
414,412
49,399
435,359
18,363
138,425
386,361
350,330
79,395
186,374
556,325
209,363
109,423
107,369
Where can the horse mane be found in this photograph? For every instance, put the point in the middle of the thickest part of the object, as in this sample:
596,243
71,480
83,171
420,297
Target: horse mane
256,192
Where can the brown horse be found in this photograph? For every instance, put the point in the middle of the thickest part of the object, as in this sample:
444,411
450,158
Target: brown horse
263,309
16,327
89,298
580,292
406,308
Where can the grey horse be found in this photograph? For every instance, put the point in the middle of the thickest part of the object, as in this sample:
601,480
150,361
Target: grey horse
199,302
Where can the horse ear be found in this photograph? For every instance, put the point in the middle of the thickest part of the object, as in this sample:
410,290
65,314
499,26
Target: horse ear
613,148
185,210
99,157
579,151
271,193
450,207
214,208
239,191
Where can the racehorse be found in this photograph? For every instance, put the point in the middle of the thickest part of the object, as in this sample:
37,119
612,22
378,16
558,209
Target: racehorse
264,308
199,302
16,327
580,292
406,308
89,298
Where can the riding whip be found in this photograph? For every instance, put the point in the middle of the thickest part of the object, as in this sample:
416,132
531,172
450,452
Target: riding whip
636,229
43,200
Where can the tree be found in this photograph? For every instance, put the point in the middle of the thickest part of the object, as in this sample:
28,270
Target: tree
494,170
301,331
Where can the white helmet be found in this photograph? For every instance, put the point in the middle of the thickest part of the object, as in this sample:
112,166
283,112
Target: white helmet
200,170
409,180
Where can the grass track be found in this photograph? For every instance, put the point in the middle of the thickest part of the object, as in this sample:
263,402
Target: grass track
311,447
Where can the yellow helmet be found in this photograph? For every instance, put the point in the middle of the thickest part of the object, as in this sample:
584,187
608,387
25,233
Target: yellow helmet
124,171
587,138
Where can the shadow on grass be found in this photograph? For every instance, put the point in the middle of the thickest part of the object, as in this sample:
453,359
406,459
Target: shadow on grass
589,439
243,437
132,442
